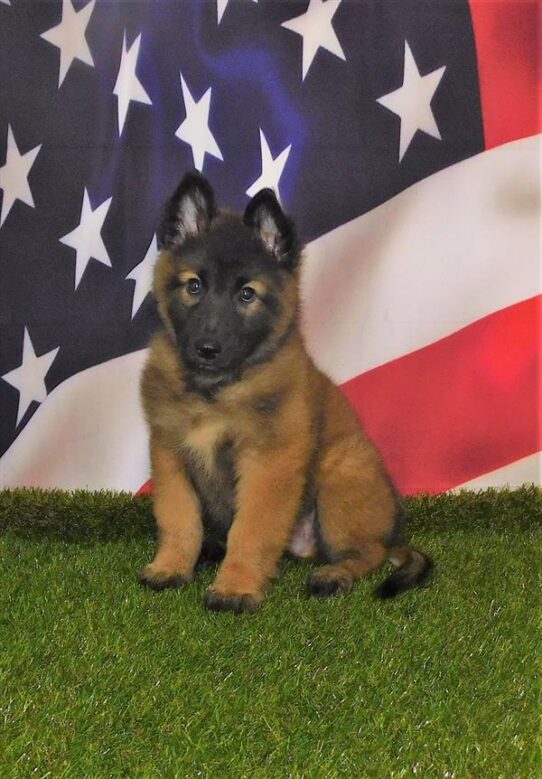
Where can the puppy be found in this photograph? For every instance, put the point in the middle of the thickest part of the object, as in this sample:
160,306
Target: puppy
253,449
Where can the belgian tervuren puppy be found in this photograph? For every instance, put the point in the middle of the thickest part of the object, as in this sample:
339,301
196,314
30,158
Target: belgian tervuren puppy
251,446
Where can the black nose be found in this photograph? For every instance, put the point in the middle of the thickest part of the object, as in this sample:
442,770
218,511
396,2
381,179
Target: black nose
208,350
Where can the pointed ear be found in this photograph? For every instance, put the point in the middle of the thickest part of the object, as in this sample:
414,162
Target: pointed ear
188,212
276,230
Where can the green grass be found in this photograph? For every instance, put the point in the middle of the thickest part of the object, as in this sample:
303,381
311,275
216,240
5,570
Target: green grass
100,678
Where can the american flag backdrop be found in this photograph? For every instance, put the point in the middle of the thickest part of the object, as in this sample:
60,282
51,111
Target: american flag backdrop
402,135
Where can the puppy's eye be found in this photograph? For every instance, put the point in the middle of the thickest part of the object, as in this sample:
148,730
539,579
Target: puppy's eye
193,286
247,294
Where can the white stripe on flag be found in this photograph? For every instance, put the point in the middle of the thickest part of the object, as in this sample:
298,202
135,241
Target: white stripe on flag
89,433
528,470
449,250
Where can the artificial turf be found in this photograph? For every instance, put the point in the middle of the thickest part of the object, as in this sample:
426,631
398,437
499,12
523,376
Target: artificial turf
101,678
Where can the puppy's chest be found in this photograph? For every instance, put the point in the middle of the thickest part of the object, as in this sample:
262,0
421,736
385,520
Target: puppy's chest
210,457
203,439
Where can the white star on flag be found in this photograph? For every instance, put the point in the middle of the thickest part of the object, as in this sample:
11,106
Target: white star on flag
316,29
412,102
221,6
142,275
86,238
29,377
272,169
194,130
128,87
69,37
14,176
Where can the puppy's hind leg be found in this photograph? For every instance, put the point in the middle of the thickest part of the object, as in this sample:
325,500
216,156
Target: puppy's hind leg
356,510
340,575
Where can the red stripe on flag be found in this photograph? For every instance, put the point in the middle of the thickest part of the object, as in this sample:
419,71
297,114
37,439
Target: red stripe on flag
459,408
146,489
507,46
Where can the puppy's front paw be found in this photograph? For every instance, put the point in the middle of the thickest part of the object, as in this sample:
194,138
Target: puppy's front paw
218,601
160,580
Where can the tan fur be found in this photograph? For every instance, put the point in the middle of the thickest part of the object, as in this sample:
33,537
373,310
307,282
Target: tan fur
180,542
295,441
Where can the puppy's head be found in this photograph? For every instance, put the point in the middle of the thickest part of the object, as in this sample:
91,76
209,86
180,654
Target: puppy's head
226,285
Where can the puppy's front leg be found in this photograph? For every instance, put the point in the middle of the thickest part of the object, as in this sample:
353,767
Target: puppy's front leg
177,513
268,498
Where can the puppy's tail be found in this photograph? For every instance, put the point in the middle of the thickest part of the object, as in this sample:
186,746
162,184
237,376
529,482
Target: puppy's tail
413,570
